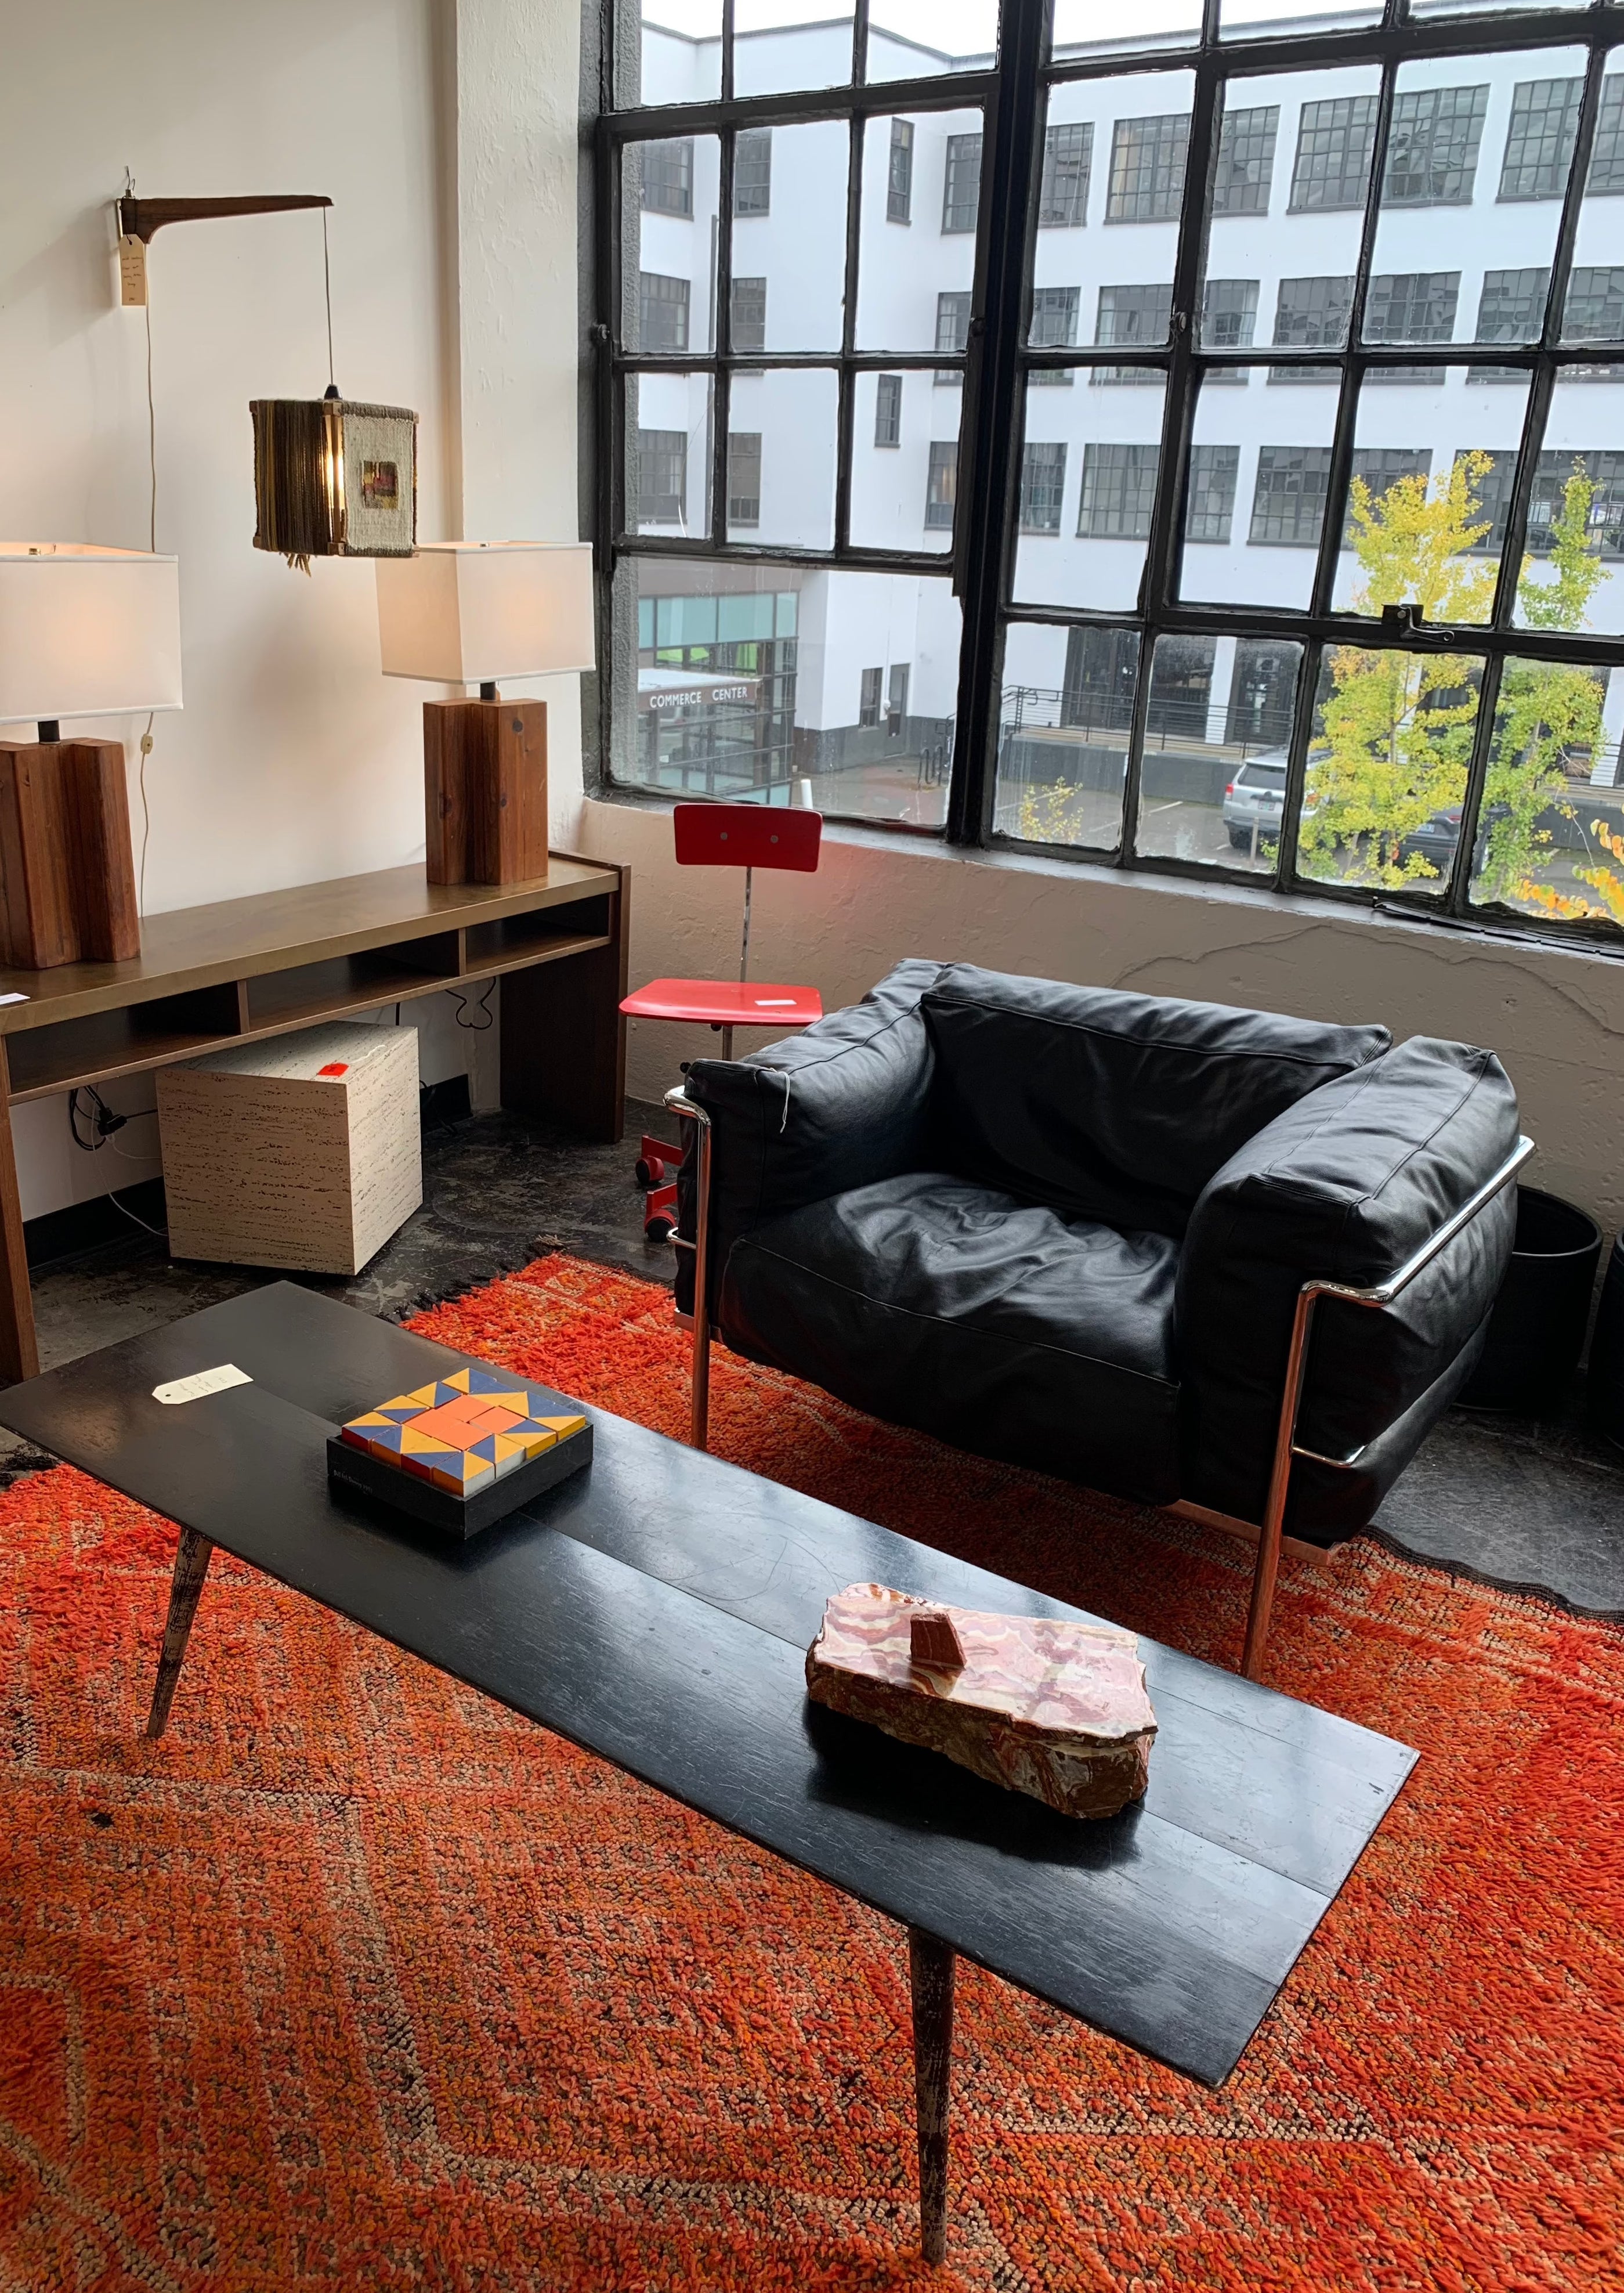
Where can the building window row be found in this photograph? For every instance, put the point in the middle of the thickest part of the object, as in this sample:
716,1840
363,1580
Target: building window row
1289,495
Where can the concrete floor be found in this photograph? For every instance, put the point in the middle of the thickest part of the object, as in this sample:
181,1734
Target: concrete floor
1529,1506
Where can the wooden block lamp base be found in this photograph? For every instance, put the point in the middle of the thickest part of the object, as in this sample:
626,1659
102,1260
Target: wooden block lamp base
485,786
67,874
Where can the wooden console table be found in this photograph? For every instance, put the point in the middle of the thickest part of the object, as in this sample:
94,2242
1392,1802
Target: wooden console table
243,969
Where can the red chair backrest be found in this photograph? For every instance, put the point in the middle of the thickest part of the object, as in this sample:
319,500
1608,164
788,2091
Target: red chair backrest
747,836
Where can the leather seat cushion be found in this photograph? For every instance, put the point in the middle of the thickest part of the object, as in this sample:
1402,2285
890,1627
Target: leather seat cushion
994,1324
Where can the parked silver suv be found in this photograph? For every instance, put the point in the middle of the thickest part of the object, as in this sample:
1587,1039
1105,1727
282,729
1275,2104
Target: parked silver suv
1254,801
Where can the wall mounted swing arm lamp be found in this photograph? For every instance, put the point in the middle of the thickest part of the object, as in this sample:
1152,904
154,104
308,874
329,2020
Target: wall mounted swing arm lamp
332,477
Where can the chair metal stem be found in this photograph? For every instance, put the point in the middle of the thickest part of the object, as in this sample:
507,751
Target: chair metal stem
688,1110
1286,1447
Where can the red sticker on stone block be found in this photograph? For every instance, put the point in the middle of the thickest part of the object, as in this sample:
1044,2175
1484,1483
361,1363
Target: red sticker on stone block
334,1067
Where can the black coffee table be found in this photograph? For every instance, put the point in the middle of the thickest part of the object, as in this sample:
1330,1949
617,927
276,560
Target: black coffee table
657,1609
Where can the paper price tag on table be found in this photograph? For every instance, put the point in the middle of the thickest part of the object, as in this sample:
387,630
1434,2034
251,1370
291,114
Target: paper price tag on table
202,1382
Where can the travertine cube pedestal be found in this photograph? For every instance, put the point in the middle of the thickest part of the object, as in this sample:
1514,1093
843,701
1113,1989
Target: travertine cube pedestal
304,1153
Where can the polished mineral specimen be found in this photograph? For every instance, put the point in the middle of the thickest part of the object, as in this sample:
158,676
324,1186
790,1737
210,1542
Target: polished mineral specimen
1041,1705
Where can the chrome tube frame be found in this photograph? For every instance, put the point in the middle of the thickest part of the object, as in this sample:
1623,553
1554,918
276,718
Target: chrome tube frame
1286,1446
688,1110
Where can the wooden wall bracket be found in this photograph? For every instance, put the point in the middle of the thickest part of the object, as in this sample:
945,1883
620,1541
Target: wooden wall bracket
140,218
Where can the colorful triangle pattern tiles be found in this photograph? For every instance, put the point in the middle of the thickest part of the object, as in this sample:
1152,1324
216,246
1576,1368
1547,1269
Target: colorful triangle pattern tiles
462,1433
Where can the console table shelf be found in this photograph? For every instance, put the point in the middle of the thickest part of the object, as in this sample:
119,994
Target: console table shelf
241,970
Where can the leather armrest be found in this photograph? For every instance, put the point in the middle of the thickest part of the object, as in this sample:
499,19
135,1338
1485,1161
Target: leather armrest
1344,1187
843,1104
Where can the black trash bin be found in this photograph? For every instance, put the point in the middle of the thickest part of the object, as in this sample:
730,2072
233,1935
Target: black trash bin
1605,1386
1537,1330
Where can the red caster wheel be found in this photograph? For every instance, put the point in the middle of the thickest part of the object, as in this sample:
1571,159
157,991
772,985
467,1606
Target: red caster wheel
658,1229
656,1161
659,1214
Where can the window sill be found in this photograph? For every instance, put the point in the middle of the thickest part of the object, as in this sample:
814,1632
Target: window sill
929,846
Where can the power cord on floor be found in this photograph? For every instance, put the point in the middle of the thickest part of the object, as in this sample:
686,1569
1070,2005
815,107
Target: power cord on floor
104,1122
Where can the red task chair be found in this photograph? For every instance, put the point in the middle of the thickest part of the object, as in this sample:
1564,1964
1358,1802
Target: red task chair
748,836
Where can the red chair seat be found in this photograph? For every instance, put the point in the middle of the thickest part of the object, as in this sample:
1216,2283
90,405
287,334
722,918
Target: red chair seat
726,1003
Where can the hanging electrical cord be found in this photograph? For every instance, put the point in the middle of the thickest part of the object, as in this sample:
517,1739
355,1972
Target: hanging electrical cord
327,283
104,1123
480,1026
146,738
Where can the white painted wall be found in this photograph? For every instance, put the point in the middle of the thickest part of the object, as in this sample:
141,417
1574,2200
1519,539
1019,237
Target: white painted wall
445,132
1556,1018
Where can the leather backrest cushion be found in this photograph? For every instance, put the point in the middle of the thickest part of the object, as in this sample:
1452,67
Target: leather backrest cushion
844,1103
1112,1106
1344,1187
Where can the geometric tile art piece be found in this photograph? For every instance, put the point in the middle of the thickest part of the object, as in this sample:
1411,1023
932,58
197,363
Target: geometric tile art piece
469,1430
464,1451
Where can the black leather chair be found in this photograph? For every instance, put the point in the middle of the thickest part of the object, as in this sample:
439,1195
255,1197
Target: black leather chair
1087,1232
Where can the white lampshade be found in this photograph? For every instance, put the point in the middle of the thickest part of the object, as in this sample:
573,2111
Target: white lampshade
468,612
87,632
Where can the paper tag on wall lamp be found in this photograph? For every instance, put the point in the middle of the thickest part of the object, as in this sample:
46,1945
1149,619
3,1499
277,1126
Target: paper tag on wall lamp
202,1382
132,270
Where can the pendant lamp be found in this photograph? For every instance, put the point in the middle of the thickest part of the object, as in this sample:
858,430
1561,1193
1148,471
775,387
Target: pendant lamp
333,478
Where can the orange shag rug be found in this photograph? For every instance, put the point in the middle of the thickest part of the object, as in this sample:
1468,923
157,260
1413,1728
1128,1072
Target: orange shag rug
355,1982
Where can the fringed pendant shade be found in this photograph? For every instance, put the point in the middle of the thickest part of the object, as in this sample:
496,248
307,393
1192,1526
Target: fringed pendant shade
333,478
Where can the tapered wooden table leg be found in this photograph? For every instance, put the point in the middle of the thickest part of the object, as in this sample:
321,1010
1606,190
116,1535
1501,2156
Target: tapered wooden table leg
930,1967
192,1561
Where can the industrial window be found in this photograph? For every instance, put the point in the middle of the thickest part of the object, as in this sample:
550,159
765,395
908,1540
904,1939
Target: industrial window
1288,501
1307,313
668,177
900,178
1432,146
1593,309
1539,141
961,183
744,477
1043,485
1136,315
1147,168
1282,166
1511,308
952,334
1212,472
1119,492
1603,472
942,485
1245,164
662,476
1055,324
1607,152
749,312
1062,194
662,312
752,172
1229,321
1334,142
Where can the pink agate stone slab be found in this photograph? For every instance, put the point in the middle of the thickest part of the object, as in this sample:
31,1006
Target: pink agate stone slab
1055,1709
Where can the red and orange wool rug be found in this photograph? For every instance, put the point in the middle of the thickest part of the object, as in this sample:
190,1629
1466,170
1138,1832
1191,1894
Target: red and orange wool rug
356,1983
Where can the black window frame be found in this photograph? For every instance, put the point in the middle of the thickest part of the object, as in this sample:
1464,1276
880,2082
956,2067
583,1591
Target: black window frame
1012,92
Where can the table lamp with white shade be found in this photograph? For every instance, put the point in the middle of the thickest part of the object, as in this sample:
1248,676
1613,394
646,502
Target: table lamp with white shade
84,632
468,612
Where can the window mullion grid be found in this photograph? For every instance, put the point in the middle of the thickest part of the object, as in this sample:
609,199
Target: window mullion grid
721,336
610,388
1546,367
728,15
1456,893
1349,363
1161,556
859,43
1296,764
990,424
846,416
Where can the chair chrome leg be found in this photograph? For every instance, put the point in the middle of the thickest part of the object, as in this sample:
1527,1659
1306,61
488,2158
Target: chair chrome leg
698,1434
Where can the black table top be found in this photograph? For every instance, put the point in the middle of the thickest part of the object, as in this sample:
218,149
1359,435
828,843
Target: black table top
657,1609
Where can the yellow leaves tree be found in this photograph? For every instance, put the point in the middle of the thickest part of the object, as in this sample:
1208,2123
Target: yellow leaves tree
1396,728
